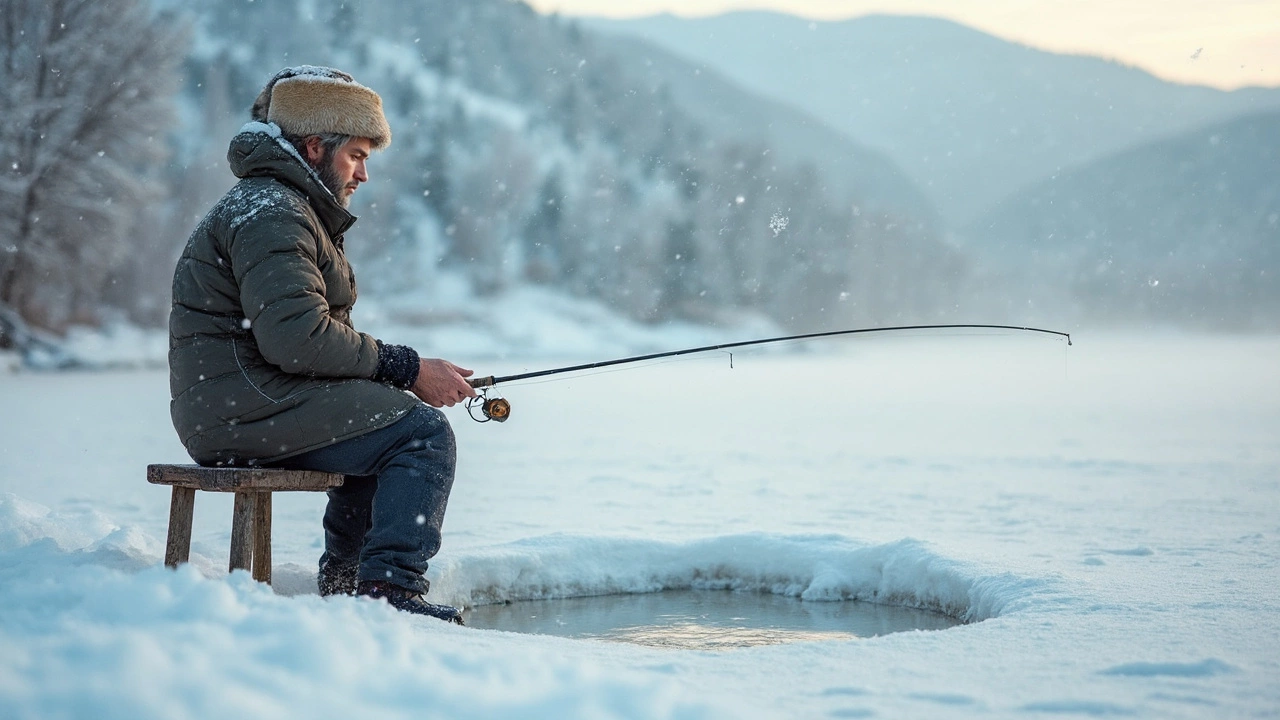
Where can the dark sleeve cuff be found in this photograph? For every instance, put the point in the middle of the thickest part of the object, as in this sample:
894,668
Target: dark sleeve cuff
397,365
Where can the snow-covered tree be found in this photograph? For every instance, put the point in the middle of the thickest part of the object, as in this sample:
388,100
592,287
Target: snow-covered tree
85,92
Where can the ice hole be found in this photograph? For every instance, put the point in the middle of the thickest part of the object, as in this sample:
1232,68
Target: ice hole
703,619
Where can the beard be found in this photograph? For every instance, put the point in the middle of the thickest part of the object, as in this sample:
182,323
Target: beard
329,177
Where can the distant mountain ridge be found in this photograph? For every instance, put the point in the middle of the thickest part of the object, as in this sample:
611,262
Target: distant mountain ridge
849,169
970,117
1183,230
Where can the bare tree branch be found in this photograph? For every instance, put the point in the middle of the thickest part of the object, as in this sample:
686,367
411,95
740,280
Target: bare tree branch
85,88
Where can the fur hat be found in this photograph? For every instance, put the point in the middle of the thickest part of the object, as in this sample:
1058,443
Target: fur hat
311,100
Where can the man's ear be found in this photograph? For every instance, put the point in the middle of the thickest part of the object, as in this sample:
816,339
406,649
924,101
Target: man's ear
314,149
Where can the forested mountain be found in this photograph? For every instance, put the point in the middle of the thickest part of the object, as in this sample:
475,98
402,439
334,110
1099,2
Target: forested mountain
1184,232
970,117
527,150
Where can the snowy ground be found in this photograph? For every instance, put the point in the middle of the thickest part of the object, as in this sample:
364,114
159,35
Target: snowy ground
1107,516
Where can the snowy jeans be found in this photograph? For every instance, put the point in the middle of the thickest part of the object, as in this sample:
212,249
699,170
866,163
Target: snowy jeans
386,517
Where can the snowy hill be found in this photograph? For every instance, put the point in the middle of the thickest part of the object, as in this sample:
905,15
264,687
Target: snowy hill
868,176
528,151
971,118
1185,230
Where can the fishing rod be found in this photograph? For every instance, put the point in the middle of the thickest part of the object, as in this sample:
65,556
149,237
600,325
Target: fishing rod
498,409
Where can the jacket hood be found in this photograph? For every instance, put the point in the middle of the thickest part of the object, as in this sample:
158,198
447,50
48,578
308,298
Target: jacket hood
259,149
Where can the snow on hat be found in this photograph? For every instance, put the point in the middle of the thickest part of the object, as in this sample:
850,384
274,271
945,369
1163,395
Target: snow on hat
312,100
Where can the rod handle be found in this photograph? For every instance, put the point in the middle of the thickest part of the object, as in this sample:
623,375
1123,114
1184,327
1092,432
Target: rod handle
481,382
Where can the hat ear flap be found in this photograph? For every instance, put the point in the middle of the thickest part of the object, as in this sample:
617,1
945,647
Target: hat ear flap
262,105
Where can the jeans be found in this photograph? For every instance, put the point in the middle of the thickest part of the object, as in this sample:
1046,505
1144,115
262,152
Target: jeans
386,517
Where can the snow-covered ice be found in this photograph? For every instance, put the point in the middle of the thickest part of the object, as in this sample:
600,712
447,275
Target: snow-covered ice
1105,516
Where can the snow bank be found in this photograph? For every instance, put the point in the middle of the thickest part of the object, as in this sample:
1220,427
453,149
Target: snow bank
23,523
82,637
529,321
94,625
447,320
814,568
119,344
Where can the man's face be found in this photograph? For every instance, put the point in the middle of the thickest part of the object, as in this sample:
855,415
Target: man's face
343,170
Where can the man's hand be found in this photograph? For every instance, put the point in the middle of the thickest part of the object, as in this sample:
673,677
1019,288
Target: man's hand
441,383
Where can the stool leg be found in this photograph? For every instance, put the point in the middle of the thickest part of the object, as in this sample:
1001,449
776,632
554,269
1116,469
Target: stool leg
182,506
242,532
262,537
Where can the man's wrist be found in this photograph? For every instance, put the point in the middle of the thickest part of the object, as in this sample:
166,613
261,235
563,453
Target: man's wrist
397,365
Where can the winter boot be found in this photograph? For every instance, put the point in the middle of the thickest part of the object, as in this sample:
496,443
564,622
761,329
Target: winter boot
408,601
336,579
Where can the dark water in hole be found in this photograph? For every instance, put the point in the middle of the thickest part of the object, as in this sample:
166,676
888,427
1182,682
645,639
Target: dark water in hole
703,619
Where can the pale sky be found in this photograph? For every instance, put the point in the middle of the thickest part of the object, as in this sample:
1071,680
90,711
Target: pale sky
1222,43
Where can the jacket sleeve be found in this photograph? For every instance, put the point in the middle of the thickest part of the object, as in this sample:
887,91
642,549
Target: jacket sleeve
282,293
397,365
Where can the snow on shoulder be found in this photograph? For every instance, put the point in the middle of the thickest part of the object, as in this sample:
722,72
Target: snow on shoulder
266,128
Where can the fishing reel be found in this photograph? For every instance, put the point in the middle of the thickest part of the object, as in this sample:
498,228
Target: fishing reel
495,409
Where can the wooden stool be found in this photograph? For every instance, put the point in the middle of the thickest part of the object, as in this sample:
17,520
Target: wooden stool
251,518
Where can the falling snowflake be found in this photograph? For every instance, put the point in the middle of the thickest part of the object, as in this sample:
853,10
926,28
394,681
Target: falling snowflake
778,223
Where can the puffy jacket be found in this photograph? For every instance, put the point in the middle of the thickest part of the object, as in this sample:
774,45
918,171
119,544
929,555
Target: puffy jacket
263,360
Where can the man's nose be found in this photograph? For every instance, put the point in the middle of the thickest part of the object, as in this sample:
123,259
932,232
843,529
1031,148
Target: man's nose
361,173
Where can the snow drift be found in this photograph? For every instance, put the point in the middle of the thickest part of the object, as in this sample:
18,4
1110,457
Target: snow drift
815,568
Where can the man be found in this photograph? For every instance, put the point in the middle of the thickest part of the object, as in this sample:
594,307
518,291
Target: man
265,366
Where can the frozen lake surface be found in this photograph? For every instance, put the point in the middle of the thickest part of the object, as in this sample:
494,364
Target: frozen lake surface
1105,518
